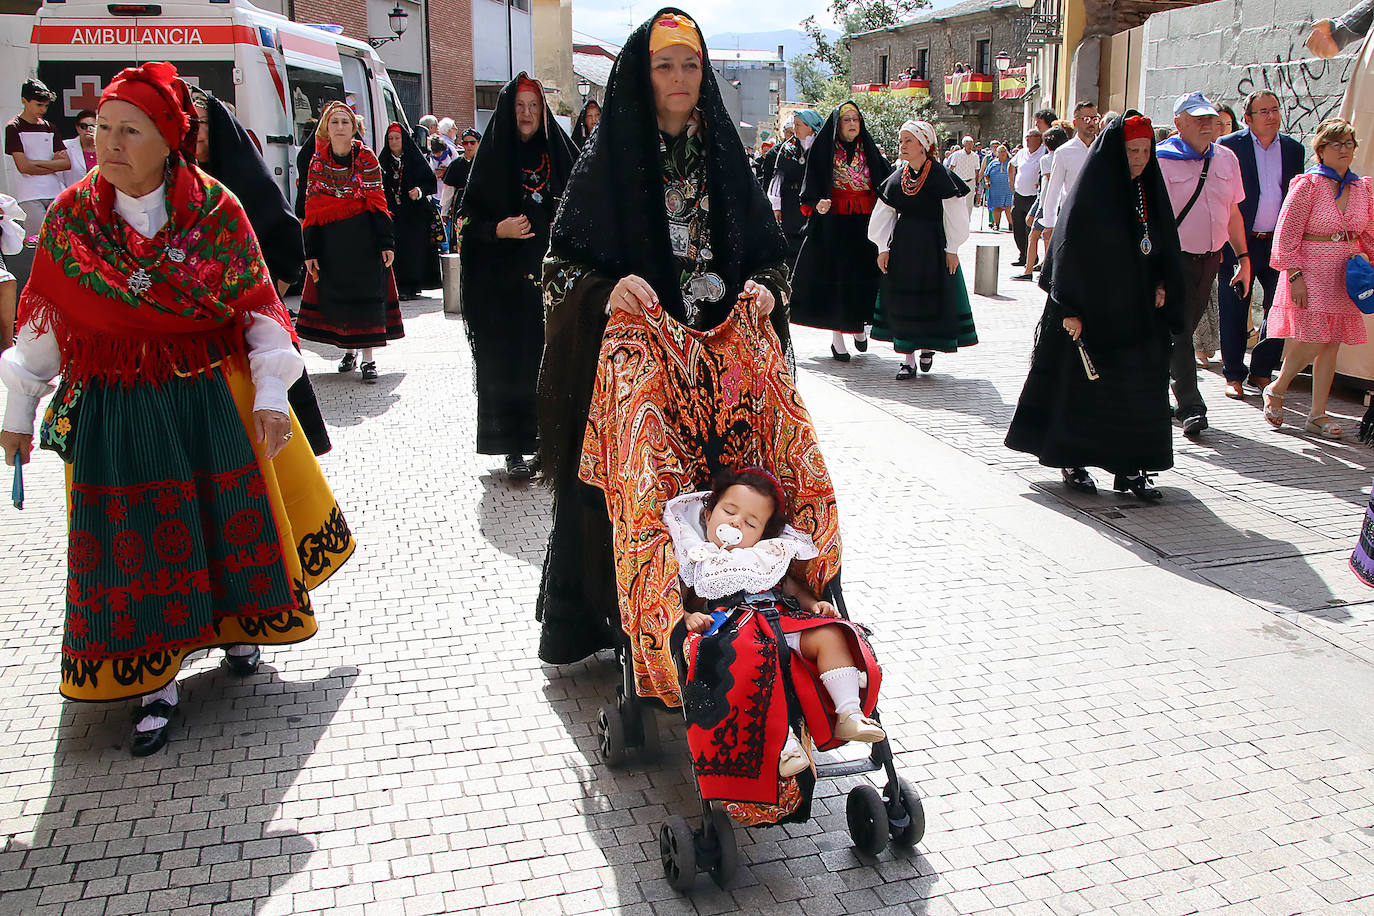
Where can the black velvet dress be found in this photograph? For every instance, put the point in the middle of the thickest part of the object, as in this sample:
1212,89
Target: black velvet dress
1096,272
791,162
417,259
502,297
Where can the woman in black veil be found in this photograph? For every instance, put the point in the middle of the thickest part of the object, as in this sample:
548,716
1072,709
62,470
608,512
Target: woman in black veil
227,152
587,120
511,196
836,276
661,205
409,182
1113,277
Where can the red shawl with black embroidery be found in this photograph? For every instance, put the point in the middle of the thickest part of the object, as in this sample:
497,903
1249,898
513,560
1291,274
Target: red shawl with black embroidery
332,194
205,273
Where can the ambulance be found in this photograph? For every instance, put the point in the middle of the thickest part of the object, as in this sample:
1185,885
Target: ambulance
278,74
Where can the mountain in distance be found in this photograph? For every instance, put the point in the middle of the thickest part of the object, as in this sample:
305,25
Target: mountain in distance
794,42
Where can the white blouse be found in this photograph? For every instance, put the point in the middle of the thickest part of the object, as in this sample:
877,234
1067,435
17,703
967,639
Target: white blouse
775,186
884,219
28,368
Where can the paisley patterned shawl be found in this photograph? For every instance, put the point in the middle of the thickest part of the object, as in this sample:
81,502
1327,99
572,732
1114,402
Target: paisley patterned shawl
332,195
670,407
206,272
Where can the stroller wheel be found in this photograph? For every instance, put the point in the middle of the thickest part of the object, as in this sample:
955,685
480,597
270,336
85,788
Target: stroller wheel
677,849
727,862
911,832
867,816
612,735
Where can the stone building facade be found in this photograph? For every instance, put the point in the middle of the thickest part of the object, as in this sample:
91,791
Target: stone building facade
1229,47
973,32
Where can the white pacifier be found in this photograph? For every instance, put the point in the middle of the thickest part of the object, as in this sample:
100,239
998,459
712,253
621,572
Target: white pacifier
729,535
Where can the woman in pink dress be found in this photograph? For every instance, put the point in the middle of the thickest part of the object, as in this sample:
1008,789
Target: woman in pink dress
1327,216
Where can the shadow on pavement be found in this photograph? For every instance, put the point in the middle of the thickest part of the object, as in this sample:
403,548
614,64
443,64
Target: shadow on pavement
624,808
188,825
505,513
349,400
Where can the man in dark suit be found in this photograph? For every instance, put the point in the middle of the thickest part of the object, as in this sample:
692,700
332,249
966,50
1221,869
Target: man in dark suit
1268,162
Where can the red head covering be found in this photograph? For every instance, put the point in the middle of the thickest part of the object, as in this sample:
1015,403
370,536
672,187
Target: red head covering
1138,127
528,85
157,91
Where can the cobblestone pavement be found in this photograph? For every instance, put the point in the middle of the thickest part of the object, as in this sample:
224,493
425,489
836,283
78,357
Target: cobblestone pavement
1107,708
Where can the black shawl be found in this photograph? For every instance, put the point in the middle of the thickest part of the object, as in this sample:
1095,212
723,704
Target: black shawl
493,190
820,161
415,170
456,175
580,133
237,164
613,223
1094,266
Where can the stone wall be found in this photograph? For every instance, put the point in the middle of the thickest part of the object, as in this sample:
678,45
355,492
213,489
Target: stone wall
1229,47
949,42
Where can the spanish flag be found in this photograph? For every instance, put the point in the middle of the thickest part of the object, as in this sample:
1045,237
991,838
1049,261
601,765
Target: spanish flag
968,87
1012,85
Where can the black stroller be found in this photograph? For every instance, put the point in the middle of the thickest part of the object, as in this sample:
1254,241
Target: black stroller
613,459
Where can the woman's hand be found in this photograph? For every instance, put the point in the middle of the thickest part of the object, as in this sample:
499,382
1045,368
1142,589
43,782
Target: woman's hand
697,623
16,444
633,294
882,260
777,215
514,227
416,194
825,609
951,262
273,430
1074,326
763,298
388,256
1159,297
1298,290
823,206
312,267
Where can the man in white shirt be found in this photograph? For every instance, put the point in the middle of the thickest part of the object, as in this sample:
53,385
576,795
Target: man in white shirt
1024,173
968,165
1068,162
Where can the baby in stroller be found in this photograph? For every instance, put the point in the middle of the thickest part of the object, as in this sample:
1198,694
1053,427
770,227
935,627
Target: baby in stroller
735,548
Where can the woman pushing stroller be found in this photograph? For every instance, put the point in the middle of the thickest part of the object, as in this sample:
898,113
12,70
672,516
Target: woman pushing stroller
735,549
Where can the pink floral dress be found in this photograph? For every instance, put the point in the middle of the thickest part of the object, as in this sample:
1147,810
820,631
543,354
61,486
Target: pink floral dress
1310,207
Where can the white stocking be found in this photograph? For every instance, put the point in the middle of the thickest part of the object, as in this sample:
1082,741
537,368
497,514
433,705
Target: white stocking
367,355
837,341
240,650
909,359
843,686
169,695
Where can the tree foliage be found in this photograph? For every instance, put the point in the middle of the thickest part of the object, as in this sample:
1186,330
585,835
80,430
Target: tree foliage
809,76
855,16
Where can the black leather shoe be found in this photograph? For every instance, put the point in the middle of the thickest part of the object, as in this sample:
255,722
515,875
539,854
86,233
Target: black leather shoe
349,362
926,360
861,344
518,468
243,665
906,372
837,355
1019,262
1194,425
141,744
370,373
1079,480
1139,484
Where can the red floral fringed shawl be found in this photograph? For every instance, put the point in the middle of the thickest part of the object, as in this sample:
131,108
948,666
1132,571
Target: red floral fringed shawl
333,193
206,272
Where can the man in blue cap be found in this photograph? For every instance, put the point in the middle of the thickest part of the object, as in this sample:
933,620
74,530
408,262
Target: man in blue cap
1206,189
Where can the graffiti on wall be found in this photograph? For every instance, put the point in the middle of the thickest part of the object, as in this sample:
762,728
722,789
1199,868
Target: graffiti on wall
1309,89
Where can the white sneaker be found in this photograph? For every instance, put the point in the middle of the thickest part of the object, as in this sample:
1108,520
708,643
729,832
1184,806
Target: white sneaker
855,726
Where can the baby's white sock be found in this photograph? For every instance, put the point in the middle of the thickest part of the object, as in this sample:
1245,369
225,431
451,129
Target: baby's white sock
843,686
168,694
909,359
837,341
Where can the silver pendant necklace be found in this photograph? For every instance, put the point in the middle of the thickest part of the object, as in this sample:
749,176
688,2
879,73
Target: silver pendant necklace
1145,246
141,280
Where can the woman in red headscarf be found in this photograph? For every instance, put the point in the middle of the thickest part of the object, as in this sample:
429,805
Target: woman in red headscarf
350,298
197,515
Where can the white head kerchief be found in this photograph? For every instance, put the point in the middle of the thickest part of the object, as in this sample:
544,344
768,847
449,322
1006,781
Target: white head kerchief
713,572
923,131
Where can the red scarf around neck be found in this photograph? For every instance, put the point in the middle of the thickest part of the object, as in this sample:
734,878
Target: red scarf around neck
330,196
205,268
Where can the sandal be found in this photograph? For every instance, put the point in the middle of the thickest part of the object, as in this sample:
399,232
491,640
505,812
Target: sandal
1323,426
1273,407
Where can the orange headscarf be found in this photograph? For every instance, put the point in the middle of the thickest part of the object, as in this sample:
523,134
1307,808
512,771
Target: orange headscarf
672,29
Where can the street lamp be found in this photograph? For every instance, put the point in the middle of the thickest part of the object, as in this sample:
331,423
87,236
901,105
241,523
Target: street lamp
1003,61
584,88
398,19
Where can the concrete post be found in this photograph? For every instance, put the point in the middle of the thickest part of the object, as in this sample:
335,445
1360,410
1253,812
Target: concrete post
985,270
451,273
